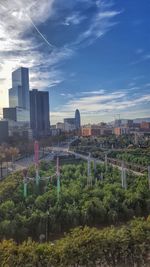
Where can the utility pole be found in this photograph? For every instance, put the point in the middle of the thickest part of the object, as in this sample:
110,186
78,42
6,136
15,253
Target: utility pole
149,176
25,183
123,176
106,161
37,178
58,179
94,165
89,178
36,160
135,138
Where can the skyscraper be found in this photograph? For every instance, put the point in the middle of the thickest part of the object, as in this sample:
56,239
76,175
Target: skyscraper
39,113
77,119
19,93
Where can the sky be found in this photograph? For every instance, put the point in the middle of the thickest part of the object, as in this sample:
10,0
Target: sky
93,55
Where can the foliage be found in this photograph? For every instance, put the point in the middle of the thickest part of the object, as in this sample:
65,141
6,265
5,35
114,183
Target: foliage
105,203
121,148
111,247
137,156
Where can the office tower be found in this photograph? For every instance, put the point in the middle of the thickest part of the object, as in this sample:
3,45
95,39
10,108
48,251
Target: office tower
77,119
39,113
19,93
16,114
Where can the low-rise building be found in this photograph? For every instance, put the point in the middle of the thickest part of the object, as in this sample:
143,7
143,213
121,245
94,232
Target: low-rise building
145,125
60,125
69,124
69,127
20,129
95,130
121,131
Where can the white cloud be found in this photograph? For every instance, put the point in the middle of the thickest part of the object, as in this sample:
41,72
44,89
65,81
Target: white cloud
143,57
22,44
146,57
102,105
93,92
100,24
147,85
74,19
139,51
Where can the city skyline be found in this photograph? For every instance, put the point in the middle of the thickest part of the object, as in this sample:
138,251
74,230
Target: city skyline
99,65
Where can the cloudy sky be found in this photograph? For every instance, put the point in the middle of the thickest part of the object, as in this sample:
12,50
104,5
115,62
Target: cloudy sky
89,54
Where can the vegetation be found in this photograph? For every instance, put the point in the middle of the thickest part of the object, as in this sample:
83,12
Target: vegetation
111,247
120,148
106,142
137,156
26,146
112,141
105,203
7,154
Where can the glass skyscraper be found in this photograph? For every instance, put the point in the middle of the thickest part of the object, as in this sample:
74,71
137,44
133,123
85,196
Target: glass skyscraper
77,119
39,113
19,93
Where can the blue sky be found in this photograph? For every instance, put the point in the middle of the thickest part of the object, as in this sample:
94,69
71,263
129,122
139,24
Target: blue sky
90,54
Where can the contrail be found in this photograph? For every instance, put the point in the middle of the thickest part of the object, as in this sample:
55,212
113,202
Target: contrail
42,36
47,42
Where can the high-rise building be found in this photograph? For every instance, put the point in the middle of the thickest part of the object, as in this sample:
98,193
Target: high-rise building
39,113
77,119
19,93
16,114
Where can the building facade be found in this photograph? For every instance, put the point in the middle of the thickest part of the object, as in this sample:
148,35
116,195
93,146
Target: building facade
121,131
69,124
16,114
145,125
69,121
39,113
3,131
77,119
95,130
61,126
19,93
